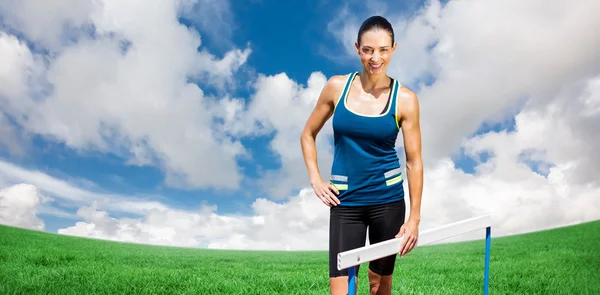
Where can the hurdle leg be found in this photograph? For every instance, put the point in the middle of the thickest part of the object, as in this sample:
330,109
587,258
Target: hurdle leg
352,280
486,273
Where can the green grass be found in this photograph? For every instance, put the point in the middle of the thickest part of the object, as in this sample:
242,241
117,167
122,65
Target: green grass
558,261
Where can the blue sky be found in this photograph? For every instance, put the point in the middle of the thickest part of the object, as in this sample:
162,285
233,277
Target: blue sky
495,125
283,37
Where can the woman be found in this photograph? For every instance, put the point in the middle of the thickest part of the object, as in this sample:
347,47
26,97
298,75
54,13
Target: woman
366,184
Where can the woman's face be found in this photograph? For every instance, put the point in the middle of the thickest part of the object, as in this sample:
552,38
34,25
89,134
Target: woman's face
375,51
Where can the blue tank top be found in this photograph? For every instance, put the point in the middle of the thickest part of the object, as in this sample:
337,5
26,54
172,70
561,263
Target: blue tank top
366,169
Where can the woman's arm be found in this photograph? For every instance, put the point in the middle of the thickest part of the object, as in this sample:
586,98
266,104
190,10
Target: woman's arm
411,131
321,113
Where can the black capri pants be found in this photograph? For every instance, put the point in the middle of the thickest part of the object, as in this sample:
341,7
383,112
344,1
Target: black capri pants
348,230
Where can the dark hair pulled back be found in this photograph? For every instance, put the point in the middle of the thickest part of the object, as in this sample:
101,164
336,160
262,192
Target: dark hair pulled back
375,22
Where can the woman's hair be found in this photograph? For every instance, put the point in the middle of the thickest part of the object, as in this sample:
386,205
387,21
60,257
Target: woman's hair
375,22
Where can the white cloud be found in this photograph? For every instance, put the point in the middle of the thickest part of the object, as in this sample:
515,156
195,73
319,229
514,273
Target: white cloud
17,61
300,223
283,106
10,139
136,103
498,64
19,206
220,72
213,17
43,22
71,196
279,107
519,199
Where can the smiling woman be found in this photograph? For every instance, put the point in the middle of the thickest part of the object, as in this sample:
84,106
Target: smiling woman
365,189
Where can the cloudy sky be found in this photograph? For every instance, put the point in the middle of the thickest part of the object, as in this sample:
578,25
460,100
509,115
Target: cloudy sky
178,122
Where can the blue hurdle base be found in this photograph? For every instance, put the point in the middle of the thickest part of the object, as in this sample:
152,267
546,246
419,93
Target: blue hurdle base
352,280
486,271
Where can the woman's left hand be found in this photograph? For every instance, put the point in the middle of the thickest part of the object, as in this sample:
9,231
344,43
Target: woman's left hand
410,233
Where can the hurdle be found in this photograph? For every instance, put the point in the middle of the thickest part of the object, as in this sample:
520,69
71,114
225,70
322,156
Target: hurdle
351,258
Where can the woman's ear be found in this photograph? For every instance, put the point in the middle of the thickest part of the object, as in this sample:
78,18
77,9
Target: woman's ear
394,47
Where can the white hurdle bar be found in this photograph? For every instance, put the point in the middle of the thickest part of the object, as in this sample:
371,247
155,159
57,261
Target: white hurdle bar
351,258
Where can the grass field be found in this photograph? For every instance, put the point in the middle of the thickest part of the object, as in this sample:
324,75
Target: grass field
559,261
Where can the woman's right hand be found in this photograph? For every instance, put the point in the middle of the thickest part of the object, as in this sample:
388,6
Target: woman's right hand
327,193
323,110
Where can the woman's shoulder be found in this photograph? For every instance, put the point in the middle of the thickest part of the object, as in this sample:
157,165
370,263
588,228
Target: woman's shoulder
407,100
339,80
336,83
406,93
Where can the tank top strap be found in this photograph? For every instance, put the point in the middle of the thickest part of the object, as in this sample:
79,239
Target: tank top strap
346,90
394,101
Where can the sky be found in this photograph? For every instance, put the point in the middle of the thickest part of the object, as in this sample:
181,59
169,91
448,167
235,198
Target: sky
178,122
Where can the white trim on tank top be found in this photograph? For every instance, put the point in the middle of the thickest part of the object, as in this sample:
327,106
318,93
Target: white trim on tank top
390,97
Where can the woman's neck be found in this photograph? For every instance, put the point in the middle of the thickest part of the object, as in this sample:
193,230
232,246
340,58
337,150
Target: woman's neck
370,82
